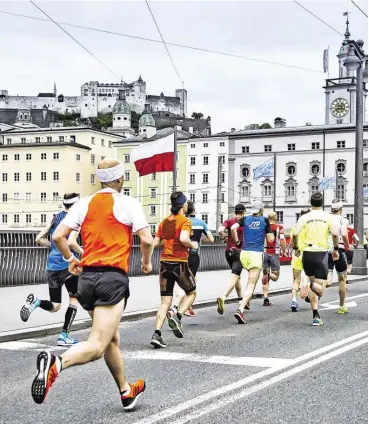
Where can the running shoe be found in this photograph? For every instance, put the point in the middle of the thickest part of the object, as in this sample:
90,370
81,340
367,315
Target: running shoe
265,279
220,302
65,339
175,324
240,317
248,307
294,306
136,389
190,313
342,309
267,302
47,371
317,321
157,341
31,304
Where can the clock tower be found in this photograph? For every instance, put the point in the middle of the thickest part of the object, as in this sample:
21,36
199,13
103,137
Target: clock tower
340,93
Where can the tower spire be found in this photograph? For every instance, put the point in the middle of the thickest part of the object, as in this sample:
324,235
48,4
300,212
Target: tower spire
347,32
54,88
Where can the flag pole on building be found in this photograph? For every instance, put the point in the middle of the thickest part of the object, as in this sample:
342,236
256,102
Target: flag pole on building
175,158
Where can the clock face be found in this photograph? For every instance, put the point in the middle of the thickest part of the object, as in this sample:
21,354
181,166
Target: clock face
340,108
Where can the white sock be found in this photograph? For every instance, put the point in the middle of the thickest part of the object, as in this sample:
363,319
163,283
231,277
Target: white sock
127,392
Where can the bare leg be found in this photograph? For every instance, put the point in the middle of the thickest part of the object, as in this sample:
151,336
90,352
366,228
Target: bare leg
330,278
274,275
187,302
235,282
179,297
342,288
238,286
115,363
254,275
105,323
349,269
296,283
166,301
265,282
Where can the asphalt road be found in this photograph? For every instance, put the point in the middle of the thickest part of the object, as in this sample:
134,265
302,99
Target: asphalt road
275,369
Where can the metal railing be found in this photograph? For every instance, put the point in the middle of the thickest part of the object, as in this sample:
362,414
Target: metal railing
22,262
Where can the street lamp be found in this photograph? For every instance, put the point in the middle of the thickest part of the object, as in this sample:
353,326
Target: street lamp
355,61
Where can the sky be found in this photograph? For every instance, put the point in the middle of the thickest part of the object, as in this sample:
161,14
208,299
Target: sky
234,92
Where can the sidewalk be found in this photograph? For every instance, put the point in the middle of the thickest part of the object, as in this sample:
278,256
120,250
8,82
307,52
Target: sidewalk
144,298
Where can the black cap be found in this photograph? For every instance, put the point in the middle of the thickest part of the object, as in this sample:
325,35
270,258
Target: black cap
239,208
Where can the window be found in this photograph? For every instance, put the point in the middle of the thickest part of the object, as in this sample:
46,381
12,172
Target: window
102,142
291,169
43,156
43,176
222,144
204,217
313,185
365,142
340,191
193,197
291,147
204,197
192,178
221,218
245,149
28,218
56,156
341,144
365,167
339,121
102,157
28,156
9,141
61,138
153,176
245,192
205,178
28,197
127,191
5,177
291,190
280,217
267,148
315,169
93,159
205,145
222,197
43,218
78,157
92,139
56,176
315,146
341,167
38,139
78,177
55,196
350,218
153,229
267,190
152,209
16,218
43,197
127,176
5,218
23,140
5,158
16,157
93,179
49,139
245,171
152,193
193,146
192,160
5,197
16,177
222,159
110,144
365,189
222,177
127,158
72,138
205,160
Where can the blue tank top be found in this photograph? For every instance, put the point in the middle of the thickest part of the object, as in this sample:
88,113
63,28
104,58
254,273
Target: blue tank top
199,228
255,228
55,260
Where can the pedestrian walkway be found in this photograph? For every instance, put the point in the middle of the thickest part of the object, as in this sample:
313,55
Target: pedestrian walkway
145,296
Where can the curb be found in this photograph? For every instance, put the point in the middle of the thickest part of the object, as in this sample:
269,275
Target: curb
49,330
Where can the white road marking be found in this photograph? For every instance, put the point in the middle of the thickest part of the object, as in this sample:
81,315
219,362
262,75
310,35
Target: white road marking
350,298
21,345
222,360
277,379
169,412
326,306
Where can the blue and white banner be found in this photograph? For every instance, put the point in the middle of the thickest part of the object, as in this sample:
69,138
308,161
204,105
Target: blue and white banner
327,183
365,191
266,169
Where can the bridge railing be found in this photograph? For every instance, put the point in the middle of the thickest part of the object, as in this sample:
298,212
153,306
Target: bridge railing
23,262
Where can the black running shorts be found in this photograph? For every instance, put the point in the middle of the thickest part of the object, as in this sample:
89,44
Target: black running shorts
102,286
194,263
340,264
315,264
175,272
349,256
233,259
57,279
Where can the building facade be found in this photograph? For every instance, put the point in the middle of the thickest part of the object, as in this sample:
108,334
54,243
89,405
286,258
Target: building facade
38,166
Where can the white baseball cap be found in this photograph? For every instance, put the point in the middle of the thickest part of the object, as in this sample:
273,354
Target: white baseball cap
336,205
256,206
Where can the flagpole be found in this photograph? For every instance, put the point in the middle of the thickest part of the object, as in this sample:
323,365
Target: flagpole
275,179
175,159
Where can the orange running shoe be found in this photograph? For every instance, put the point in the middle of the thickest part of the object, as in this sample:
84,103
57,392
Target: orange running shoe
47,372
129,401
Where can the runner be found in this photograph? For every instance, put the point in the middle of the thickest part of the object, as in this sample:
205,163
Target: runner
299,277
106,220
174,234
353,243
255,228
341,263
232,254
199,228
316,226
272,262
57,276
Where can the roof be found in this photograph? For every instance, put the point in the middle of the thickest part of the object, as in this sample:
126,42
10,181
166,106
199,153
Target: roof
146,119
46,95
53,144
198,125
39,117
181,135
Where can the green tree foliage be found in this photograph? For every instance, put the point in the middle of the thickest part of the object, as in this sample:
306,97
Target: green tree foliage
197,115
265,126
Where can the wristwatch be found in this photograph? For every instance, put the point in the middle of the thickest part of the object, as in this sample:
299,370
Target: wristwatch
335,247
238,243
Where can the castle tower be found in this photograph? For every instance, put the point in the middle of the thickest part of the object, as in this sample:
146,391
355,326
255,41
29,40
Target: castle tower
122,117
182,94
146,124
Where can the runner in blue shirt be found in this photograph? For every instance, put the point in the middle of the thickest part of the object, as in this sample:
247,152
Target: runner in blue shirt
255,228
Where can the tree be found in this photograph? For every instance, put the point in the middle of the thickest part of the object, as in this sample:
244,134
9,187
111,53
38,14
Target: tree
104,120
197,115
265,126
135,117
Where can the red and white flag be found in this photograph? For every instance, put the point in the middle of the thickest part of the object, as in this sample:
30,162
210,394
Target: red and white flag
154,156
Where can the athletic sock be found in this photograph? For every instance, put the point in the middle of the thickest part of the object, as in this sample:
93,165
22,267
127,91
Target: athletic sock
179,316
240,298
126,392
158,332
294,299
58,360
316,313
69,317
46,305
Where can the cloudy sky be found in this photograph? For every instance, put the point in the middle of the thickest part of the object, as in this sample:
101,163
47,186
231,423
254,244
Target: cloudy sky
234,92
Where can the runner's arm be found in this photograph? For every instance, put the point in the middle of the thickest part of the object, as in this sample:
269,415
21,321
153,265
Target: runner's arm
283,244
355,240
157,242
297,229
269,234
147,245
234,232
207,233
222,231
344,233
184,238
41,236
73,244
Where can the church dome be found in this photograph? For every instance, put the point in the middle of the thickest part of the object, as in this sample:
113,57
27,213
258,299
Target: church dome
146,118
121,105
344,50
